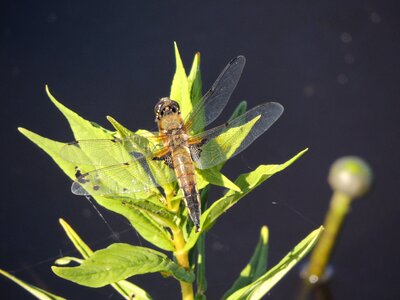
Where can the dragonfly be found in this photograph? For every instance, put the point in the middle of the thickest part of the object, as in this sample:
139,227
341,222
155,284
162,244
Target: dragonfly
180,147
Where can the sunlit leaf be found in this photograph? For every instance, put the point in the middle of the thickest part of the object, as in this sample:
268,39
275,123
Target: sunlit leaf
201,281
225,145
120,261
263,285
127,289
180,87
246,182
194,80
215,177
157,212
256,266
151,231
239,110
33,290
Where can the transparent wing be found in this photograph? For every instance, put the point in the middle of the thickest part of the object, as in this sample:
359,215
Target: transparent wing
107,152
228,140
139,175
214,101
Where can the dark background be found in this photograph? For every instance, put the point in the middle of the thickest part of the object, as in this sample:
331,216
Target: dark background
334,65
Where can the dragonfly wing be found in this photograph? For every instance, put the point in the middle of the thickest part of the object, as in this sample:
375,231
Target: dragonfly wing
215,100
126,178
106,152
228,140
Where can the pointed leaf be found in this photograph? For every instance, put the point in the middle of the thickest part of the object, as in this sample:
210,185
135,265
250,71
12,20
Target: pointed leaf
79,244
263,285
81,128
246,182
201,281
194,81
148,229
33,290
157,212
239,110
122,130
125,288
120,261
180,87
256,267
215,177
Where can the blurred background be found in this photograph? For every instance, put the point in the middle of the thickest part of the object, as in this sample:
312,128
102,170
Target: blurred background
334,65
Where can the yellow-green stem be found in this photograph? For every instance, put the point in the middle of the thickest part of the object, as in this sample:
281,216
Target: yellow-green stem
181,255
339,207
183,260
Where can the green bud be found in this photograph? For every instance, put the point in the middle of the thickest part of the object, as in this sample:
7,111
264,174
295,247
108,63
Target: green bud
351,176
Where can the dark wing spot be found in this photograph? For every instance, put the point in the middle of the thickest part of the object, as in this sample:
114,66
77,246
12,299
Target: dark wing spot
81,177
78,173
83,180
124,190
126,164
96,187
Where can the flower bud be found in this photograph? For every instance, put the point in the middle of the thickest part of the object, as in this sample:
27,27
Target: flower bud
351,176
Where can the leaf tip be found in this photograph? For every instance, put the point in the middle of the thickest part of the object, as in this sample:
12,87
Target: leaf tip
63,223
196,60
27,133
264,234
21,129
304,151
235,188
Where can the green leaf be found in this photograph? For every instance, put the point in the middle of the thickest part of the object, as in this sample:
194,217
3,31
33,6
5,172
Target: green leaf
145,226
81,128
263,285
239,110
224,146
120,261
246,182
33,290
66,260
122,130
195,88
194,81
127,289
256,267
157,212
79,244
180,86
215,177
201,281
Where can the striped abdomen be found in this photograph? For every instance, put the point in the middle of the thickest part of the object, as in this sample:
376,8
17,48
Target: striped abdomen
184,170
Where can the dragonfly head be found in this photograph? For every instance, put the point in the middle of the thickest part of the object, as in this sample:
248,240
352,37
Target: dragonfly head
166,107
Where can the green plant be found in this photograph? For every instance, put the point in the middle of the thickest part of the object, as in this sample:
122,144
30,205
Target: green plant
165,223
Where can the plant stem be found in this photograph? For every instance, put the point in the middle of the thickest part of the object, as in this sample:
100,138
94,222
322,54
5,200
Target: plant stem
339,207
181,255
183,260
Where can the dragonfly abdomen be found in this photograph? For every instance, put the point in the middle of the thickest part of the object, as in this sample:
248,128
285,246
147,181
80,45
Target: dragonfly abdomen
184,170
